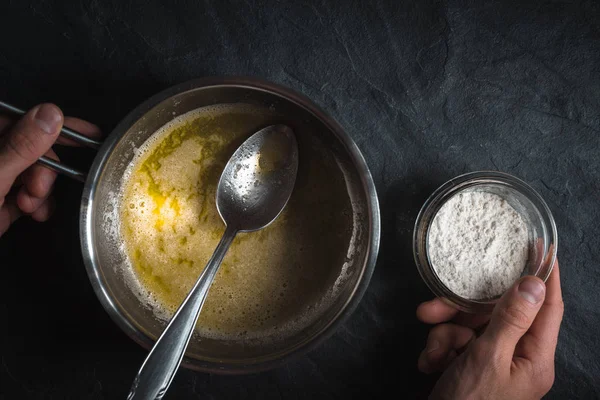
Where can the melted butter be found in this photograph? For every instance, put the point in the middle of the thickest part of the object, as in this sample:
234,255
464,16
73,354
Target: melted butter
170,226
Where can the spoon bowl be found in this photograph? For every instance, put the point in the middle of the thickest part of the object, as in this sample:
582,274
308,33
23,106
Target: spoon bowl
257,181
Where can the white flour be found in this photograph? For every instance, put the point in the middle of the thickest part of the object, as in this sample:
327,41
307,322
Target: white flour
478,245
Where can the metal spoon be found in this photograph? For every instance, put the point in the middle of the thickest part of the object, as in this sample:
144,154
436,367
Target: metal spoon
253,190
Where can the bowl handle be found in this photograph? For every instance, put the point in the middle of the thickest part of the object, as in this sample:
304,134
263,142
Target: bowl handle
66,132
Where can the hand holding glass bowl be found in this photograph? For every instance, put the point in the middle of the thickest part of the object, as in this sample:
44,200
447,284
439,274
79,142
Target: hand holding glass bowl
521,197
510,352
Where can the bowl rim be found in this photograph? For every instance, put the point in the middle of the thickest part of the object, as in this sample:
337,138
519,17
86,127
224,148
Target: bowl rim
442,194
87,228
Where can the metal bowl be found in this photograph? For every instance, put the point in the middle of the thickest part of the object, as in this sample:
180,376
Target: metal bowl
104,256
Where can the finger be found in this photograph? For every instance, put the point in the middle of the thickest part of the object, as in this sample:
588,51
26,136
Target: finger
513,315
473,321
31,137
81,126
44,211
435,311
38,182
9,213
27,203
443,344
540,341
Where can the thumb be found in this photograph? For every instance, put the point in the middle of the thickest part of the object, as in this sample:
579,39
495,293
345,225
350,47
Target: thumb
28,140
515,312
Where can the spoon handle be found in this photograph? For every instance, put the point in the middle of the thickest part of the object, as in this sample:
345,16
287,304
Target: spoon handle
159,368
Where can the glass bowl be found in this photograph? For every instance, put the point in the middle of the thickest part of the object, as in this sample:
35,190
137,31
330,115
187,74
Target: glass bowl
522,197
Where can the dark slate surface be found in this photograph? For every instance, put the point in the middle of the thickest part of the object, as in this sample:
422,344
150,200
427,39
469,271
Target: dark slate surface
427,89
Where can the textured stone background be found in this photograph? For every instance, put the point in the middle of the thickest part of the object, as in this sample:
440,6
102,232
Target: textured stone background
427,89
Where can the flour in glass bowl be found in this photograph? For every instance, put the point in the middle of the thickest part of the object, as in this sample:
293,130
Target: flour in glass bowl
478,245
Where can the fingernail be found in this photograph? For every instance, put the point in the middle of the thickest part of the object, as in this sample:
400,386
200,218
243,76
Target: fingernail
432,346
49,118
532,290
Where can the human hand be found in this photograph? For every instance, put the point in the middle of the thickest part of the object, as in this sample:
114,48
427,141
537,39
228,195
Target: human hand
25,187
513,358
